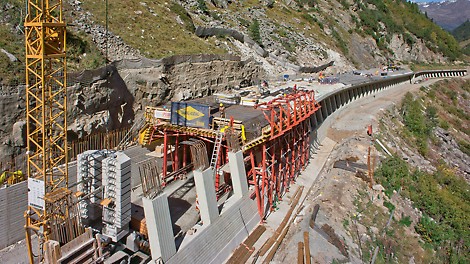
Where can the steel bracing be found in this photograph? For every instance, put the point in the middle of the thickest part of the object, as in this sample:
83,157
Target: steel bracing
273,160
46,114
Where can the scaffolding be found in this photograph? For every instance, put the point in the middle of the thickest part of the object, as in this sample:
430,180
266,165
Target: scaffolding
273,158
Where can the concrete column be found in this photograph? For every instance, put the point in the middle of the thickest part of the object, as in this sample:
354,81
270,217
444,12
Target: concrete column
89,180
313,122
238,173
318,114
329,102
117,196
160,229
205,189
334,105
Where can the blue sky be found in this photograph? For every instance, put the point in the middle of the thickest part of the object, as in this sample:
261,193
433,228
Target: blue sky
425,1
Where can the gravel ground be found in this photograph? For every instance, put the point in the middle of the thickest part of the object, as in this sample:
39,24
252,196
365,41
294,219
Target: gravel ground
335,189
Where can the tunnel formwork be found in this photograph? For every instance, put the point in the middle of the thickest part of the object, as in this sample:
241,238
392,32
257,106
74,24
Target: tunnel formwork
274,136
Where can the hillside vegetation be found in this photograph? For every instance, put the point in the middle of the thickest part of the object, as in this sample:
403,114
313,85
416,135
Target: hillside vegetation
434,124
81,51
462,34
333,21
354,33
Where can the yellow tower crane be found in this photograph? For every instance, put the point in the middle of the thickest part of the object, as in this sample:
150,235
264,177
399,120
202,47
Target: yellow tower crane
51,213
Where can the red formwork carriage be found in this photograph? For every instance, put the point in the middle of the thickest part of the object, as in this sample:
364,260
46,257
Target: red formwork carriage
273,159
277,161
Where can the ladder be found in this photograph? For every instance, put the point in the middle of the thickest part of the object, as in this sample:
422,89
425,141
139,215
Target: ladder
216,150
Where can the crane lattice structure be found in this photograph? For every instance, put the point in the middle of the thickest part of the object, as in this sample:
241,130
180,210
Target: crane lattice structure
50,212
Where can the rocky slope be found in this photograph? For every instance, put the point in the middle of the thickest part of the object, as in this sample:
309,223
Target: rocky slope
360,33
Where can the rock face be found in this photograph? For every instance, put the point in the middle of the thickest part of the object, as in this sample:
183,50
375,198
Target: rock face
113,97
12,109
416,52
110,101
451,153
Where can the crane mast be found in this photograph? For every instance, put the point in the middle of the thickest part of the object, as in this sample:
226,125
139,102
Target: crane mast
50,214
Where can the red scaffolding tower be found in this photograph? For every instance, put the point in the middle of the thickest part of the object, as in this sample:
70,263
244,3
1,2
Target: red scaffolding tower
273,160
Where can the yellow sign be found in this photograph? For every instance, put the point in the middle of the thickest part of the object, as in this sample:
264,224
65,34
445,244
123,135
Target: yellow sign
189,113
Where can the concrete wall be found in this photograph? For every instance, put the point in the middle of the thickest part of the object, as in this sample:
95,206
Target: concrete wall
216,242
13,204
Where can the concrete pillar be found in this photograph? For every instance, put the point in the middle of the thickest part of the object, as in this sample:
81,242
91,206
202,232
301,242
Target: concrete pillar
318,113
205,189
117,196
313,122
334,103
238,173
160,229
89,180
329,103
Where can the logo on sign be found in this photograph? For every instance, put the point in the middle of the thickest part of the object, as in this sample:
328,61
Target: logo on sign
189,113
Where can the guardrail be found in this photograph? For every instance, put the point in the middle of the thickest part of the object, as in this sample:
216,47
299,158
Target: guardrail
334,100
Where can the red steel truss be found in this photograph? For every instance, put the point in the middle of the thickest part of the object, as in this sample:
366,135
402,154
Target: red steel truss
272,164
277,162
288,111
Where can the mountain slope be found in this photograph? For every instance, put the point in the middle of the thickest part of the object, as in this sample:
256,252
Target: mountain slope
462,32
447,14
352,33
359,33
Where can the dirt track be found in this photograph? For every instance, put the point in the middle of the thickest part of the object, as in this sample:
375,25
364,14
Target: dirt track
335,190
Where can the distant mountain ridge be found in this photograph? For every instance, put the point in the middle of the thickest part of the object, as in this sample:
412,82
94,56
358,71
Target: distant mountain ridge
462,32
447,14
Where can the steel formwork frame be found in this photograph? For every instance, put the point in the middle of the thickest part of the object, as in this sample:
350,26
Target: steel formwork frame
179,157
277,162
274,159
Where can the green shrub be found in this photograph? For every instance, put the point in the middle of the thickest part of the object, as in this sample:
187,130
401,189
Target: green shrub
184,16
464,147
389,205
201,5
444,199
254,32
405,221
444,124
340,42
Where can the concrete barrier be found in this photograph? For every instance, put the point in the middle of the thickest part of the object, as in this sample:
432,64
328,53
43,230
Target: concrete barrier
334,100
